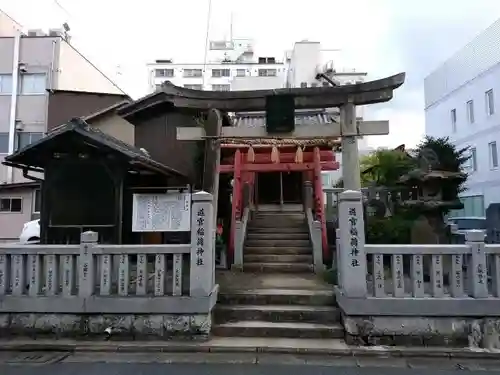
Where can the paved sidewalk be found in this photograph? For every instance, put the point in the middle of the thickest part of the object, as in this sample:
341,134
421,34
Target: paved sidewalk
244,345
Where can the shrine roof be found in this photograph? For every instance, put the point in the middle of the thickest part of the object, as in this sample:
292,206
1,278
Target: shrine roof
370,92
29,156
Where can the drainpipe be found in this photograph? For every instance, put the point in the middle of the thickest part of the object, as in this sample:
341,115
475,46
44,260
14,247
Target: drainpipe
13,102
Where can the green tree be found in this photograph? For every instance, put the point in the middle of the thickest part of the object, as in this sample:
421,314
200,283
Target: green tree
385,167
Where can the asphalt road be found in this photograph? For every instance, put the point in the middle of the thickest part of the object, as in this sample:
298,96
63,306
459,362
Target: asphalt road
215,369
100,363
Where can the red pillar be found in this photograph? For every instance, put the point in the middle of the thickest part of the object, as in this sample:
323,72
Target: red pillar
235,204
318,198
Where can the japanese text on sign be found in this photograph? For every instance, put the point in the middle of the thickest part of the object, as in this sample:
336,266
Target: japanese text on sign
170,212
200,236
353,237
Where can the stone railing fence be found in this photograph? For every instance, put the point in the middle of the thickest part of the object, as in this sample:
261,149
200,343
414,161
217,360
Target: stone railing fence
427,280
93,278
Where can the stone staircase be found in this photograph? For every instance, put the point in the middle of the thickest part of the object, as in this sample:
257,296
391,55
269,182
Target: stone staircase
277,294
278,242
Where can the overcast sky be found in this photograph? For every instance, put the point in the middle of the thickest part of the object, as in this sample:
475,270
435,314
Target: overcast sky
382,37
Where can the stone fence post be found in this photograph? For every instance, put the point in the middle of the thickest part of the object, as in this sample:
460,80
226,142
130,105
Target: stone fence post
86,277
202,257
477,273
352,262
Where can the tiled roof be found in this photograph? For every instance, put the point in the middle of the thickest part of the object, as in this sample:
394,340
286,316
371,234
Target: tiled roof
257,119
79,126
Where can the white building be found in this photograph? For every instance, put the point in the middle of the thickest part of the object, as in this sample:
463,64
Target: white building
228,64
461,102
233,65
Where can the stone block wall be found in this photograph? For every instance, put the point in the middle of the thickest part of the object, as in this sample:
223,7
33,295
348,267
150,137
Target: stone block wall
125,326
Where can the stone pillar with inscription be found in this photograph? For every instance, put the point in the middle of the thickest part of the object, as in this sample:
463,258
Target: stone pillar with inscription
86,279
477,267
202,259
352,262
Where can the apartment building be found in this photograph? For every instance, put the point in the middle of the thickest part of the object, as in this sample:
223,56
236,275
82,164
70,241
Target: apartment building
33,66
228,63
462,103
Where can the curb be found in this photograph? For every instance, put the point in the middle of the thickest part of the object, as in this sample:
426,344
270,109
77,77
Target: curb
374,352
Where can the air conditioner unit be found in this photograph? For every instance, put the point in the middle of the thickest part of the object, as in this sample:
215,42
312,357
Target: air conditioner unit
36,32
56,32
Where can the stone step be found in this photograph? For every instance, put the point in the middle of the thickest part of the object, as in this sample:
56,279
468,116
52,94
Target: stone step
277,267
277,236
299,212
279,217
277,224
277,313
280,250
256,328
281,230
277,243
278,297
277,258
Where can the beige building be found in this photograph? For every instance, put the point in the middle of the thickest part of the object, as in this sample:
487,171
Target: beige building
33,65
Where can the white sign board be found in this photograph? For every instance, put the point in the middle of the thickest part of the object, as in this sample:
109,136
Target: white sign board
169,212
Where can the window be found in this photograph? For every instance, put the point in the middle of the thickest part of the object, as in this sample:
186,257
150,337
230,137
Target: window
192,73
32,83
267,72
194,87
490,103
303,85
473,159
453,120
37,201
221,87
240,72
11,204
24,139
4,143
470,111
5,83
220,73
473,206
164,73
493,155
325,179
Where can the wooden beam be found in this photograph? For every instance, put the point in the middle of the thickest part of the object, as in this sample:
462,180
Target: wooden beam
281,167
286,157
301,132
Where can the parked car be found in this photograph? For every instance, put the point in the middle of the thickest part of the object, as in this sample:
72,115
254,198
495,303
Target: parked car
30,232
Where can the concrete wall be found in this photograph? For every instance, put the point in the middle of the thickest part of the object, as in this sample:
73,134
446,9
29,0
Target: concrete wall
12,223
117,127
304,59
79,74
65,105
257,83
251,72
